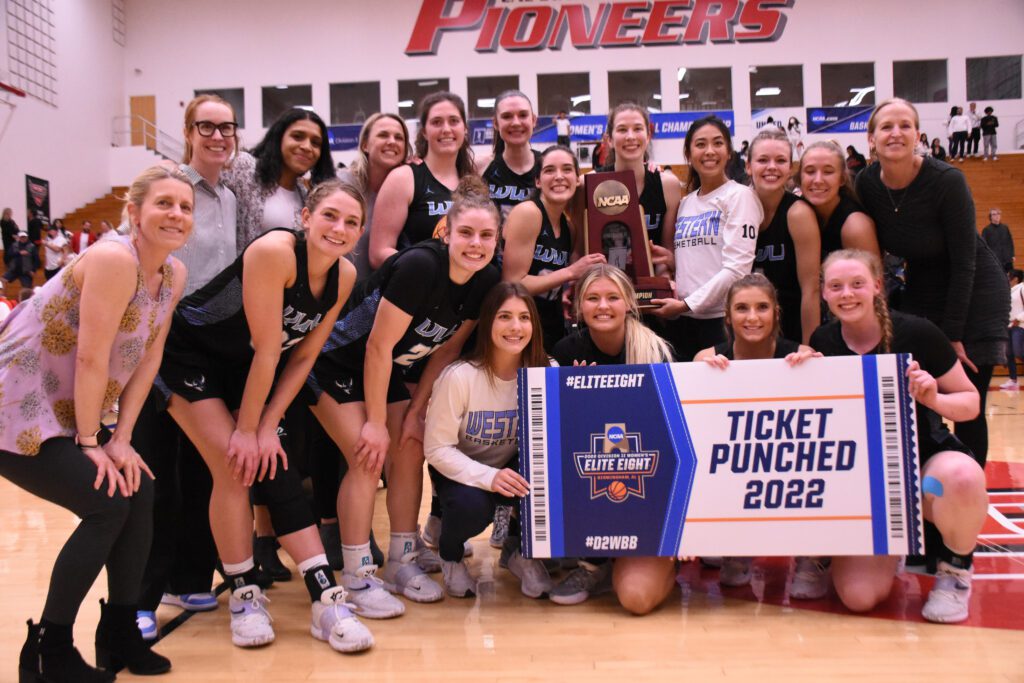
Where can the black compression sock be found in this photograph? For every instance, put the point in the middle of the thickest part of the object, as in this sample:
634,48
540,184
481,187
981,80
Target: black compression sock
318,579
955,559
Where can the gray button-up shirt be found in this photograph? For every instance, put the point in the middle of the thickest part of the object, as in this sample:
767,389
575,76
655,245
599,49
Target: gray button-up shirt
211,248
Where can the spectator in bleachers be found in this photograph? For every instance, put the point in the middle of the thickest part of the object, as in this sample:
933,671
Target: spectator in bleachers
1015,345
998,238
23,261
55,246
855,161
938,151
975,133
10,233
6,305
85,237
959,129
922,148
989,123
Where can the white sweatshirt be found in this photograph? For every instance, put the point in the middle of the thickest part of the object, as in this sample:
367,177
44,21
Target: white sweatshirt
1017,304
471,425
715,241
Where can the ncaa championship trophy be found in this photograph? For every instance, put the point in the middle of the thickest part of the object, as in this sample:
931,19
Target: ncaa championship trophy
615,227
686,459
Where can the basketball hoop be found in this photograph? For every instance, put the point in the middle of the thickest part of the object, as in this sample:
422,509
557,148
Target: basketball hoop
8,95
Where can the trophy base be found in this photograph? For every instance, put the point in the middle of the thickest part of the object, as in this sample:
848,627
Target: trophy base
648,288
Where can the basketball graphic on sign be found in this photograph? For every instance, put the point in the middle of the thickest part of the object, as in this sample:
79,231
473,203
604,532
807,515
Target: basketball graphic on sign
617,491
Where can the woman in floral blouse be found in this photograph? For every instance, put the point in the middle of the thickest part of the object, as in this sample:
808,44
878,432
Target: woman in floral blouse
88,337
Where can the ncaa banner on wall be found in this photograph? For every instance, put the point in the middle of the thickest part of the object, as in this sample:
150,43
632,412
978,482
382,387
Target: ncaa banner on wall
685,459
838,119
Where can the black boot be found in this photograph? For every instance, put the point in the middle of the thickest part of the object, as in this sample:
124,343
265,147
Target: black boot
49,656
119,643
264,550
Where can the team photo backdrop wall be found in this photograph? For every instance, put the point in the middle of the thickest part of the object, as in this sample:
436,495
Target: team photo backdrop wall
686,459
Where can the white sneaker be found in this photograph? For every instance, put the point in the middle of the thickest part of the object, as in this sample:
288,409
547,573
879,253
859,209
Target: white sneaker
950,596
534,579
499,532
426,544
811,579
250,621
735,571
367,597
333,622
1009,385
431,532
457,580
406,578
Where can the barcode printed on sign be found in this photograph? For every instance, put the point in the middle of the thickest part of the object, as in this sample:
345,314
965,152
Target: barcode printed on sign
893,456
538,464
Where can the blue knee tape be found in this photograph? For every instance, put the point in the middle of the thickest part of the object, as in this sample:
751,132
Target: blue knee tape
932,485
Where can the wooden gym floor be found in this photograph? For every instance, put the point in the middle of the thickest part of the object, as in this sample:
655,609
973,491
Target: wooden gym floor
703,632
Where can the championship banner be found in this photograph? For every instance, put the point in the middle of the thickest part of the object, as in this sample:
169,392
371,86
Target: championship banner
37,191
685,459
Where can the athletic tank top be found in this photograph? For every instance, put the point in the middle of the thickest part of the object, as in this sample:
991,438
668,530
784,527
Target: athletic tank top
38,345
652,203
551,253
507,187
416,281
430,203
783,347
211,321
776,260
832,233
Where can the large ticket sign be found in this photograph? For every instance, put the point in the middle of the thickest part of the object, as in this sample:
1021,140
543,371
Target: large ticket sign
758,459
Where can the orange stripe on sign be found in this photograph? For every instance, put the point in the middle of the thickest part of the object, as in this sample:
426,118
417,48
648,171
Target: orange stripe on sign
832,518
840,397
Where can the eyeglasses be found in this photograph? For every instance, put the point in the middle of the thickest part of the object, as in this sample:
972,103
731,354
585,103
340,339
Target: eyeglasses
206,128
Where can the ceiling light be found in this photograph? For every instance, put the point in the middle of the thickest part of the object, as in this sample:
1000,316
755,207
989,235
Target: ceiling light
767,92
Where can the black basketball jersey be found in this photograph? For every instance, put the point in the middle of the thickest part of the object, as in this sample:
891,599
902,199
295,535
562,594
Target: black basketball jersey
430,203
832,233
776,260
211,321
416,281
652,202
507,187
783,347
551,253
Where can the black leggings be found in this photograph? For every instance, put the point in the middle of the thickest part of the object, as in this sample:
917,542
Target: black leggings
466,510
115,531
974,433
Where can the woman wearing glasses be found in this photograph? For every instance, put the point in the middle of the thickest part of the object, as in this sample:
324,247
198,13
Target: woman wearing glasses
182,556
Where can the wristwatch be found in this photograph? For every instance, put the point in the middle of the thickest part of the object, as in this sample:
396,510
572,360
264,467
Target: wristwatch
89,441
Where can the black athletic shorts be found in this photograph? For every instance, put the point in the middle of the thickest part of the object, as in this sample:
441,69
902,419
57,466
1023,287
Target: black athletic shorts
196,378
345,385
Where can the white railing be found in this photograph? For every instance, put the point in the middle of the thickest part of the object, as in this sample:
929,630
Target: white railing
135,131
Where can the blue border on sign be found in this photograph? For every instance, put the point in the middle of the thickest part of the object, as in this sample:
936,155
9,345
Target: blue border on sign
876,461
682,446
911,480
554,460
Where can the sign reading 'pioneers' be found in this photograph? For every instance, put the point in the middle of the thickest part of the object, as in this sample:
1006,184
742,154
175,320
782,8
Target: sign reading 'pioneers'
545,26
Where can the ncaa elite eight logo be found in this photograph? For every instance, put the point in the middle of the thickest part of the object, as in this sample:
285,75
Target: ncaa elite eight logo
616,464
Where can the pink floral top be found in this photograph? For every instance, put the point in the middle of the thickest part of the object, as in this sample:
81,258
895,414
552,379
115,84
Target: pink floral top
38,344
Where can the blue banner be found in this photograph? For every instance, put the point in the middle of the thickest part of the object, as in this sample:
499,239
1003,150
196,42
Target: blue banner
838,119
481,131
344,137
675,124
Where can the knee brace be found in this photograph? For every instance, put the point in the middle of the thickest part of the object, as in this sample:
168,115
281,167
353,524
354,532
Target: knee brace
286,501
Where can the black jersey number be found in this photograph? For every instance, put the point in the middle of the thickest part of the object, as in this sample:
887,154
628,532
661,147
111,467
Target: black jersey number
749,232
